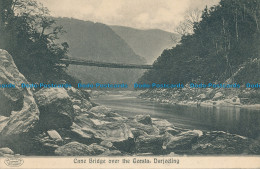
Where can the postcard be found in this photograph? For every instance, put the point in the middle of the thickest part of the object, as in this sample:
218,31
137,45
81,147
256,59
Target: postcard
129,84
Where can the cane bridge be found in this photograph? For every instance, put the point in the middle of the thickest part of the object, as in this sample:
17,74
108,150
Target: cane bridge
103,64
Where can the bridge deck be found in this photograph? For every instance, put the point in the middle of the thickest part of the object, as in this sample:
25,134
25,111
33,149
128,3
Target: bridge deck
104,64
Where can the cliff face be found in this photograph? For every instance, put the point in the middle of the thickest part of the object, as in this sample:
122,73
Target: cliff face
19,113
64,122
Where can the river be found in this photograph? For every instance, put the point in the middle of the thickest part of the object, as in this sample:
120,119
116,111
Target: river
245,122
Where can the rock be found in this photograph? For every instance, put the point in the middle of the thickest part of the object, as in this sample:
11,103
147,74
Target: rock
112,114
46,143
149,144
182,141
49,149
236,100
79,149
78,94
3,121
103,129
161,123
5,151
172,131
17,105
94,115
218,96
83,120
107,144
100,109
84,134
96,149
202,97
73,149
95,130
112,119
137,132
210,93
98,122
199,132
143,129
219,142
150,130
254,147
79,98
77,110
118,133
54,135
56,108
111,153
144,119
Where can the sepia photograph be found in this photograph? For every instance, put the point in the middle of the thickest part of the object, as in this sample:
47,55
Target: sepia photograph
129,84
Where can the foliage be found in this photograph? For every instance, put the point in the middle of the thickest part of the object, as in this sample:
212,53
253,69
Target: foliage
191,17
28,33
252,67
226,37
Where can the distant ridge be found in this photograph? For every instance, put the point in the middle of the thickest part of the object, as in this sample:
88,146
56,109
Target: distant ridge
148,43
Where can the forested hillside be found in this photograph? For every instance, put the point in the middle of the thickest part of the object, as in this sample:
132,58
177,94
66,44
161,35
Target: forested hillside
147,43
98,42
225,45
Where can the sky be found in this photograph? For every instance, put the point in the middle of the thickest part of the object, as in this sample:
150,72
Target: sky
141,14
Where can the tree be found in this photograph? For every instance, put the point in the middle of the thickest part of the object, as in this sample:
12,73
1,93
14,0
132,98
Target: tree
191,17
225,39
5,13
29,35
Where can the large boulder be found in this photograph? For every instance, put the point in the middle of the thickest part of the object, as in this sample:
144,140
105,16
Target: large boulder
218,96
73,149
218,142
6,151
144,119
80,100
89,130
111,153
172,131
18,110
202,97
46,143
79,149
183,141
3,122
84,129
150,144
96,149
53,134
142,129
56,108
107,144
119,134
161,124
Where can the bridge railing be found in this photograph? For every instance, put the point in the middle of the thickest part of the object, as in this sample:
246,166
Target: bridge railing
104,64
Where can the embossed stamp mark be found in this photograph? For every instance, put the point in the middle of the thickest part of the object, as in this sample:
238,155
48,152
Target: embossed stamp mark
14,162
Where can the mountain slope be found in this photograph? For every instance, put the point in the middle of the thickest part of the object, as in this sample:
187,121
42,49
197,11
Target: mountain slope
147,43
98,42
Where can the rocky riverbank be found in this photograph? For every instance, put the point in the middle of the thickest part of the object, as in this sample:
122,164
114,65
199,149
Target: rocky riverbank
64,122
244,97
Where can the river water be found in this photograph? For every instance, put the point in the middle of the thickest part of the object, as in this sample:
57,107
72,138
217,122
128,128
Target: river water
245,122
